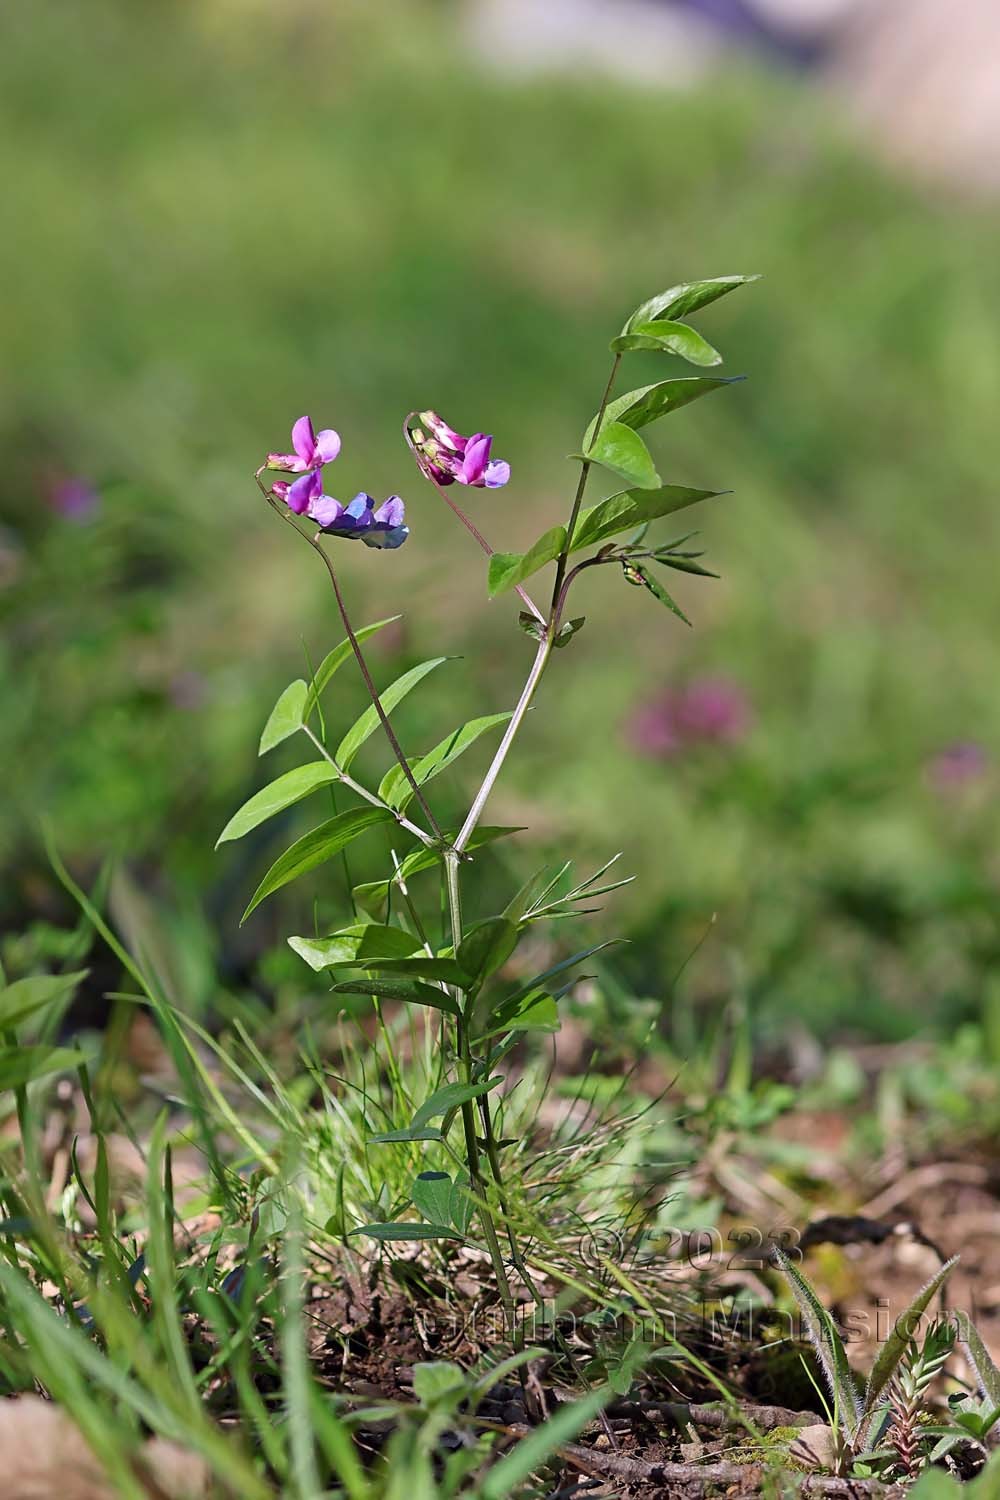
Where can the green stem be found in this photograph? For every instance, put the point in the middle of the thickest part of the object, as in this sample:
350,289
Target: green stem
510,735
580,490
453,885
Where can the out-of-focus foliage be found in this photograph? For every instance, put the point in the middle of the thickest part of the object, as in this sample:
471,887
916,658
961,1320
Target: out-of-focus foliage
220,216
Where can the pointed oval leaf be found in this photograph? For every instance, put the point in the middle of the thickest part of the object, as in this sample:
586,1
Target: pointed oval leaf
276,796
507,569
359,944
685,298
669,338
335,659
632,508
363,728
397,791
442,970
26,996
287,715
406,992
315,848
449,1098
619,448
640,407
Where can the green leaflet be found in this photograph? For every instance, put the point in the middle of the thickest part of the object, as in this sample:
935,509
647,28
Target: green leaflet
335,659
276,796
449,1098
685,298
619,448
369,721
287,715
669,338
396,790
406,991
632,508
315,848
507,569
647,403
362,943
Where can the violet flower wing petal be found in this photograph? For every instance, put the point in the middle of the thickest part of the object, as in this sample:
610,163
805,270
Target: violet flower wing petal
325,510
327,446
390,513
496,474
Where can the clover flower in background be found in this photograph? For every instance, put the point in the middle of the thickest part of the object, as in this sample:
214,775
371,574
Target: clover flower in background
708,711
73,498
448,458
377,527
957,766
311,449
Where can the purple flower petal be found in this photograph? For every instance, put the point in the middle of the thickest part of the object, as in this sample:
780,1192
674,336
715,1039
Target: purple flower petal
361,509
280,488
477,456
304,440
390,512
496,474
303,492
325,510
327,446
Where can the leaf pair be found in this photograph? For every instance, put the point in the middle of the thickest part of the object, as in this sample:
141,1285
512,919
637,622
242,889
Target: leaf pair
612,517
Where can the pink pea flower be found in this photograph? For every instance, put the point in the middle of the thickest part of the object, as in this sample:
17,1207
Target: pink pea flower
312,449
448,458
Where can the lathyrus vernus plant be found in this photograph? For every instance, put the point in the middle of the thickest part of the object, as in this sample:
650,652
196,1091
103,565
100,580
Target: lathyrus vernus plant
394,958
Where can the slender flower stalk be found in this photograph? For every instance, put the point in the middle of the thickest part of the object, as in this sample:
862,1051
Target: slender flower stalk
581,490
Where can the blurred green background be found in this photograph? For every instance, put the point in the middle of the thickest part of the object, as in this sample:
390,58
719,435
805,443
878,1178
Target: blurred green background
220,215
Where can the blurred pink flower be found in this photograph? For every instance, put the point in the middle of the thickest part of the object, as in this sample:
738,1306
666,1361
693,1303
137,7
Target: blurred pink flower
957,765
73,498
708,711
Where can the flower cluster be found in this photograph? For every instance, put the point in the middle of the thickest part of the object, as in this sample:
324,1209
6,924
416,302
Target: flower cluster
448,458
376,527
